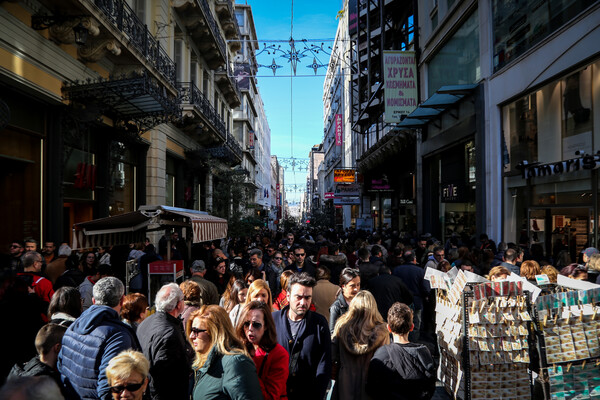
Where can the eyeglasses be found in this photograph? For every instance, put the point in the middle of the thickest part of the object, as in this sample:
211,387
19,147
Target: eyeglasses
196,331
132,387
277,258
299,254
255,325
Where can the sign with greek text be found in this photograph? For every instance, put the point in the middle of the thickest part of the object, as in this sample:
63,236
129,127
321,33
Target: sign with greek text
343,190
344,175
338,129
400,84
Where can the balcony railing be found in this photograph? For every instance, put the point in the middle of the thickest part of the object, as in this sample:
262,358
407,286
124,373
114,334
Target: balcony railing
213,27
234,145
190,94
124,18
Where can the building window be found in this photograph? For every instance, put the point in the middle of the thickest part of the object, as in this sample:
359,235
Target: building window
179,60
193,72
170,184
518,26
139,8
458,61
205,83
239,15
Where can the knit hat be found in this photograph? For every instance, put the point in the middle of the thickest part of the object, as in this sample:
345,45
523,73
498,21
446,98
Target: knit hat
590,251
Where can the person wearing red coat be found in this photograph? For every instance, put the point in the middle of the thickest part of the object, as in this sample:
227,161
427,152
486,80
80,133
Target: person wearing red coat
256,328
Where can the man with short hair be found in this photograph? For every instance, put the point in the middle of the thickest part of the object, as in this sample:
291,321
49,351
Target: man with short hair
269,275
32,273
436,258
388,289
510,261
31,244
208,291
47,343
305,336
165,345
289,242
49,251
401,370
94,339
16,250
302,264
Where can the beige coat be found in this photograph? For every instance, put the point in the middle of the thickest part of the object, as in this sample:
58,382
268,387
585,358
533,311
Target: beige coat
353,361
324,294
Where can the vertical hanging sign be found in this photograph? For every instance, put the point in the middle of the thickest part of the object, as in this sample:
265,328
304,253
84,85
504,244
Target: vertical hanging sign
338,129
250,140
400,78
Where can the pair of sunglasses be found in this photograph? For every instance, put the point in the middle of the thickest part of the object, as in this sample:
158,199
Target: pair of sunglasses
131,387
255,325
278,258
197,331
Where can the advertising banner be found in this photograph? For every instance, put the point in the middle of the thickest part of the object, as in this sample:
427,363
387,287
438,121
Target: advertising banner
400,78
329,195
344,175
343,190
339,130
250,140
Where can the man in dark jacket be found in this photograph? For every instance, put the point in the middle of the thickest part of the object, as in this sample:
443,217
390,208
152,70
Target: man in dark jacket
401,370
47,343
367,269
94,339
302,264
413,277
165,346
208,290
305,336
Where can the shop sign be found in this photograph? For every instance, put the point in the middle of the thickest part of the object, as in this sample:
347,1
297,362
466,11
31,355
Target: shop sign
346,201
352,189
250,140
404,202
400,90
344,175
329,195
380,185
587,162
338,129
451,193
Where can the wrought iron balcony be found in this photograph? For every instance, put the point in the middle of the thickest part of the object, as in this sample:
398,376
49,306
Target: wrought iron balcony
234,146
228,85
120,14
190,95
197,17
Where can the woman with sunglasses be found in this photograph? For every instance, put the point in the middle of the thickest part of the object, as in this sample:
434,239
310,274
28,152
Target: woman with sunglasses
256,328
223,368
276,265
127,375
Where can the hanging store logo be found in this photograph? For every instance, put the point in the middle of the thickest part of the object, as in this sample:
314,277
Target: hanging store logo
338,129
587,162
344,175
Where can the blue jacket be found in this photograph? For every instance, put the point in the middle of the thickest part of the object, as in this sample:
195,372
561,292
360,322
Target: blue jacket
413,277
89,344
310,354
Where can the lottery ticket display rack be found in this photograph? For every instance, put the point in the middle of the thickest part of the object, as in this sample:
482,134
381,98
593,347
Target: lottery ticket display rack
497,327
568,330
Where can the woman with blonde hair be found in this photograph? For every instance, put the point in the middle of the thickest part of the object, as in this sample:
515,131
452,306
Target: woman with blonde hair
258,290
127,375
551,273
223,368
356,336
529,269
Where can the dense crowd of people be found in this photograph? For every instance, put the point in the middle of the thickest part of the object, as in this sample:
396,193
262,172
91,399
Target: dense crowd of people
302,314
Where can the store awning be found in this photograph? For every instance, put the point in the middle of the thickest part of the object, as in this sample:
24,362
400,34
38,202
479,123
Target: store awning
132,227
444,98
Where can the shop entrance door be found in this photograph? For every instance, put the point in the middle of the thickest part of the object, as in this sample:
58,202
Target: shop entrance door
561,228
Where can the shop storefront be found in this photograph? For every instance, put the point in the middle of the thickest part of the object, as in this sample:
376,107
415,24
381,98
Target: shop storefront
550,157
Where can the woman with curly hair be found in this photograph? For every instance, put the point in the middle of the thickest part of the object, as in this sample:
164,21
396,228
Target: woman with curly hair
191,298
529,269
134,309
256,328
357,334
223,368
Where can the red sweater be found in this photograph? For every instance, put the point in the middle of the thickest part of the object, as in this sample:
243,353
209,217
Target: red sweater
273,376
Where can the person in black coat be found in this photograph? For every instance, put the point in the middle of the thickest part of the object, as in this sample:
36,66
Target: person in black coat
164,344
401,370
302,264
387,290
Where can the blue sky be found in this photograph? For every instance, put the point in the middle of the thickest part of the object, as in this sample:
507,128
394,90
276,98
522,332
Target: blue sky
312,20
